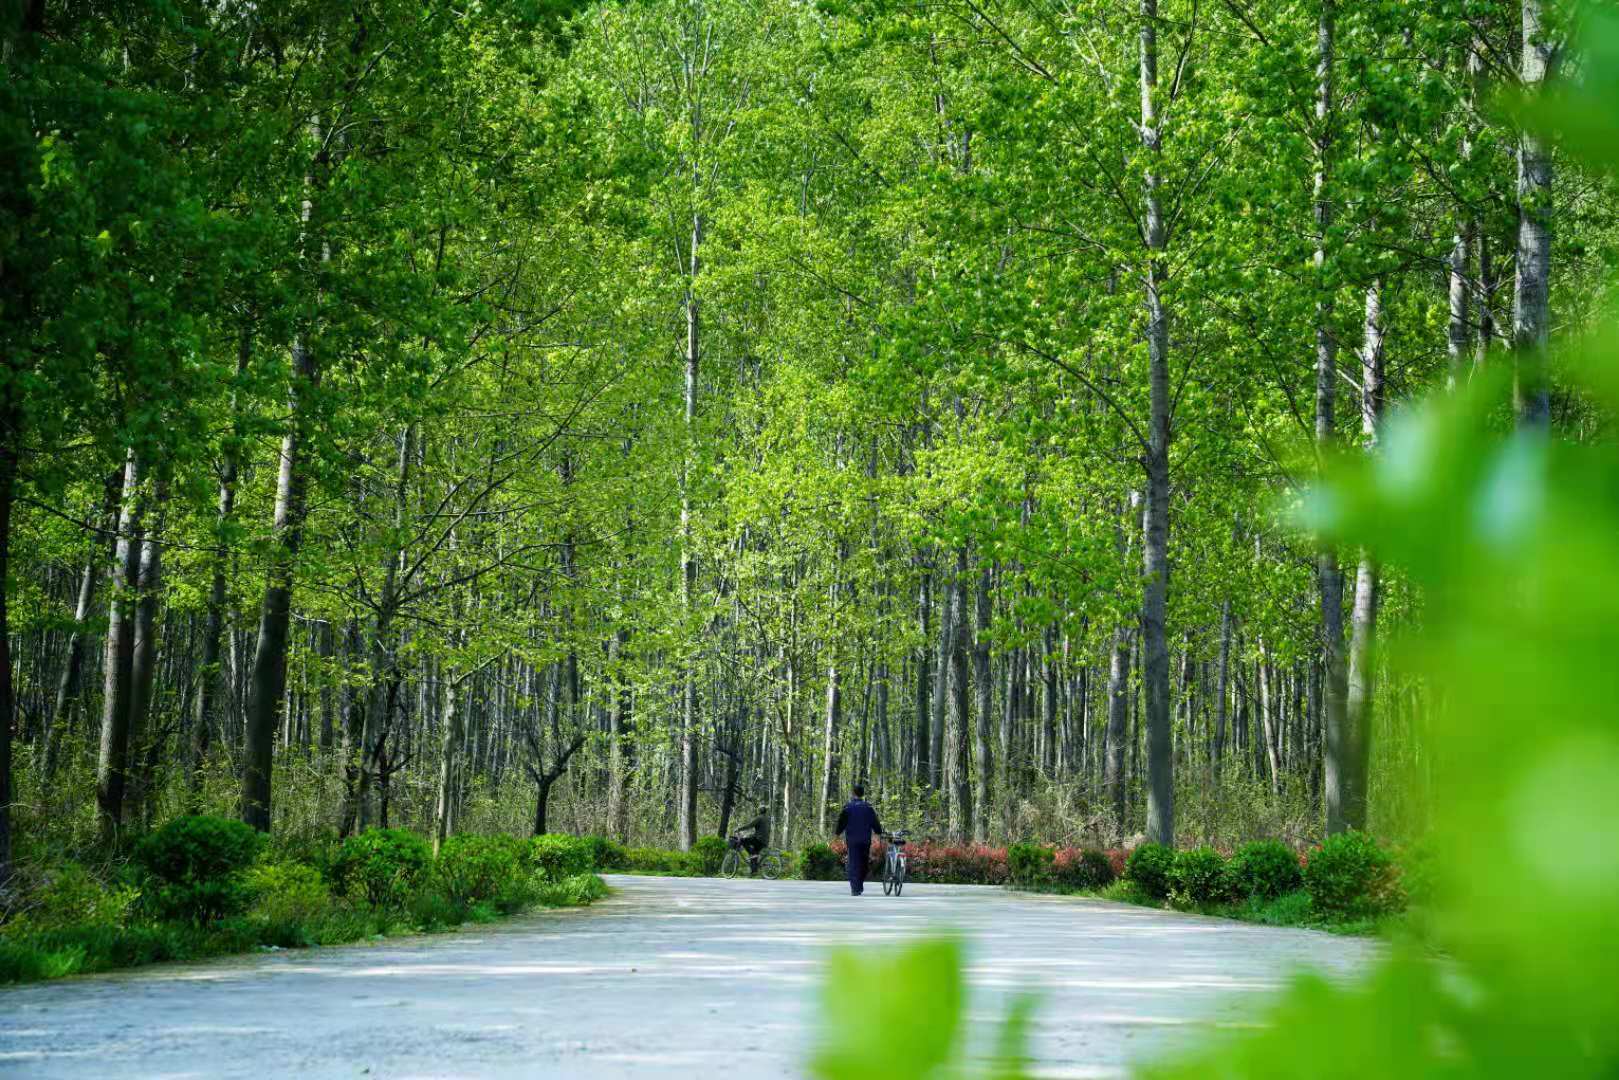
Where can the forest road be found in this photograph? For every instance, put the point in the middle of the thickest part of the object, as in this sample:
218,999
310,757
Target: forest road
669,977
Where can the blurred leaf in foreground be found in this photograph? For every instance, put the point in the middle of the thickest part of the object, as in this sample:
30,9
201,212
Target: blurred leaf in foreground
897,1012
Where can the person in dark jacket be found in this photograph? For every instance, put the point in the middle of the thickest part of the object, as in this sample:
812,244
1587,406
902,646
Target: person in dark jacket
858,824
758,837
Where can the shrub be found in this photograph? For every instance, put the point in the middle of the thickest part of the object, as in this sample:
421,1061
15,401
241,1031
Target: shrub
1030,864
1349,875
287,892
709,852
1266,869
958,864
1200,876
1088,869
383,866
70,895
1152,867
556,856
1419,873
659,861
819,862
474,868
195,865
607,854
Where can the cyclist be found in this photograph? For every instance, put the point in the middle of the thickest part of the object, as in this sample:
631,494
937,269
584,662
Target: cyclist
858,823
758,838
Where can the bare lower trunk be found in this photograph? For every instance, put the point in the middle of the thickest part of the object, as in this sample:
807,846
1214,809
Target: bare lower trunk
829,743
924,675
451,738
1118,720
267,684
143,672
1223,686
70,688
112,763
1363,633
961,807
619,748
984,764
949,621
205,721
8,700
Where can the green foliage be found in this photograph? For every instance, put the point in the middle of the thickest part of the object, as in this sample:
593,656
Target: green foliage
382,866
607,854
1350,875
818,862
575,891
556,856
1266,869
1420,872
660,861
1030,864
1152,867
195,868
709,852
1200,876
483,868
1090,869
900,1012
71,895
288,892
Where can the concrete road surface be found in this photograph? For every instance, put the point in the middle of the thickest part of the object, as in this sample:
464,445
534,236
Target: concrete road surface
669,977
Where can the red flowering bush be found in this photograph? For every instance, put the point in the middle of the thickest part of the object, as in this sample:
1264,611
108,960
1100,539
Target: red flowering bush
958,864
1087,868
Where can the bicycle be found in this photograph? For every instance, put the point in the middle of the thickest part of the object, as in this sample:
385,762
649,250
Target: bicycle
895,864
769,864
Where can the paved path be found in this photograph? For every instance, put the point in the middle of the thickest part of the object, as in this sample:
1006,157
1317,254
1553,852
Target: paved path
668,978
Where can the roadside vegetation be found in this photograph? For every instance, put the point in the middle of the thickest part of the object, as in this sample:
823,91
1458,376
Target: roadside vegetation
204,886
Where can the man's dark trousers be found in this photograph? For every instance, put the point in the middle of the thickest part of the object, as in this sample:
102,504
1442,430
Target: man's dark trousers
859,859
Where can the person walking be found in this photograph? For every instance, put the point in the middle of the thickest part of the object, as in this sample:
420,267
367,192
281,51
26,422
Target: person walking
858,824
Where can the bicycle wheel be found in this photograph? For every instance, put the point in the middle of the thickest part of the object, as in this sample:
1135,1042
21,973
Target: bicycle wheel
899,876
888,876
732,864
772,865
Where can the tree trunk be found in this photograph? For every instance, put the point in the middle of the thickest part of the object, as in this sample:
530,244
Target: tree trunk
688,556
205,721
451,737
985,763
1155,548
70,688
829,743
8,699
112,763
619,746
1532,284
1329,575
949,620
1118,727
143,664
1364,618
961,807
923,740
